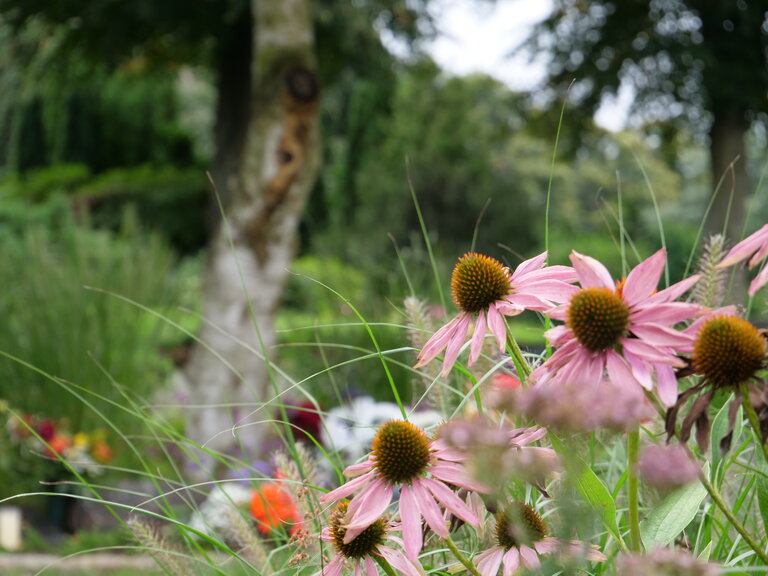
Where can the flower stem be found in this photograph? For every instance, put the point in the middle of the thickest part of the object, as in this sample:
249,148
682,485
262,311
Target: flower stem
720,503
523,370
466,562
633,489
754,421
386,566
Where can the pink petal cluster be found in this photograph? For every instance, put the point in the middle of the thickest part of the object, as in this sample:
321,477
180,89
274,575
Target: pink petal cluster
649,346
581,405
496,453
667,467
754,247
532,286
421,497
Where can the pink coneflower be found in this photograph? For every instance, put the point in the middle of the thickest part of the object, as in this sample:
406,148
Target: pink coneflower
402,455
484,290
362,549
754,247
624,329
521,537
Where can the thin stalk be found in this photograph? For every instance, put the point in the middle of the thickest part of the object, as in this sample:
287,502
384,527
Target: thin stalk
633,489
720,503
754,421
381,561
523,370
466,562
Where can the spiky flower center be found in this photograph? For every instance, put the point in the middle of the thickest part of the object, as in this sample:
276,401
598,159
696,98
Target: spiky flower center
519,525
478,281
401,451
728,351
598,318
364,544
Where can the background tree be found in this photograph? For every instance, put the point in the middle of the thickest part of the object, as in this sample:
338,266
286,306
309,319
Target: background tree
264,56
691,63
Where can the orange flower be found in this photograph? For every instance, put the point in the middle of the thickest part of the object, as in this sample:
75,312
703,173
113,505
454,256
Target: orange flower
101,452
58,444
271,507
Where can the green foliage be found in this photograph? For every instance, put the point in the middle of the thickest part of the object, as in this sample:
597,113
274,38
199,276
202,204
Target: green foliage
63,314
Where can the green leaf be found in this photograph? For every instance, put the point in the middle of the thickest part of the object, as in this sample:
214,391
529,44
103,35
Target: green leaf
761,482
719,428
672,515
590,487
705,554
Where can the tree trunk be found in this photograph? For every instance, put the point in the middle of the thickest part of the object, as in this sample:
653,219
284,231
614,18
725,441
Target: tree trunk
729,168
265,191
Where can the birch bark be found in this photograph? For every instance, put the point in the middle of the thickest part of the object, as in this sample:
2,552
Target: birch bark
249,258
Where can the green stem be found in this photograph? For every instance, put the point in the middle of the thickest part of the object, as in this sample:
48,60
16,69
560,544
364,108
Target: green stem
720,503
754,421
633,489
523,370
466,562
381,561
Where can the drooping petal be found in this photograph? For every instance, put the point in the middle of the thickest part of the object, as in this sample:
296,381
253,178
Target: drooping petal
529,557
346,489
333,568
640,370
647,352
665,313
658,335
454,345
439,341
358,469
760,280
745,248
477,339
411,522
619,371
430,510
357,568
592,274
644,278
450,500
497,327
367,507
488,562
400,562
511,561
455,474
666,383
370,567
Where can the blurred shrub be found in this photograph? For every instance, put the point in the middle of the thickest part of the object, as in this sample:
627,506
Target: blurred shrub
317,330
171,201
42,183
96,344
